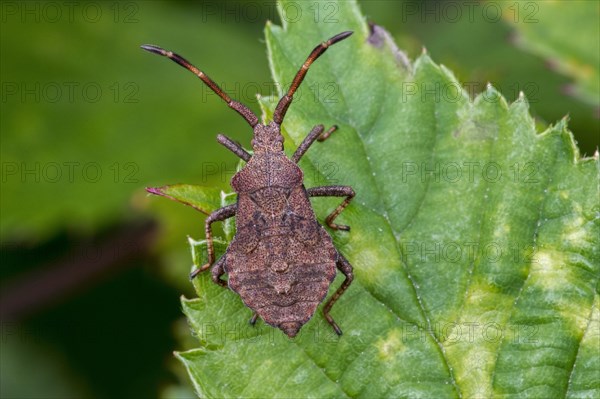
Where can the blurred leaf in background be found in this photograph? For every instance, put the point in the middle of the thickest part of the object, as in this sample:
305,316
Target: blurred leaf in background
568,39
477,41
85,110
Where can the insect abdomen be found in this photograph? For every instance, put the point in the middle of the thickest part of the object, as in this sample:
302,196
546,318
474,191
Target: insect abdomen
282,279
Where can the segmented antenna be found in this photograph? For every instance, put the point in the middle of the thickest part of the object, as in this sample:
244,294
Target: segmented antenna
286,100
236,105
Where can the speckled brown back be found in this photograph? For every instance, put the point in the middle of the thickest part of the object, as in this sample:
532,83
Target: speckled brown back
281,261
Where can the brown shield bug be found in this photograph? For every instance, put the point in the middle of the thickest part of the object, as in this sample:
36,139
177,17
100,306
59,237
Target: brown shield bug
281,261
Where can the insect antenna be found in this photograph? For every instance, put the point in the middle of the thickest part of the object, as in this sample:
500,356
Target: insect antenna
286,100
236,105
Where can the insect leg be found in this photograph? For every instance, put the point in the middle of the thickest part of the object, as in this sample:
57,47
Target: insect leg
233,147
254,318
345,267
239,107
218,215
334,191
315,134
286,100
218,270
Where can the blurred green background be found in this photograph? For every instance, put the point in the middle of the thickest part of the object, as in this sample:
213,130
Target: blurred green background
92,267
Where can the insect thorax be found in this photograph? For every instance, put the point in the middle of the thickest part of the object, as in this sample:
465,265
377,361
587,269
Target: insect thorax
267,170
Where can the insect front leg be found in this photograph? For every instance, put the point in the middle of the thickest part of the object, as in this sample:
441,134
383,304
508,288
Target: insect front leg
219,215
233,147
315,134
334,191
345,267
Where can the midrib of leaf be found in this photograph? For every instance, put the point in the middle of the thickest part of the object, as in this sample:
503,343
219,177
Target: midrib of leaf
397,233
587,329
592,335
413,283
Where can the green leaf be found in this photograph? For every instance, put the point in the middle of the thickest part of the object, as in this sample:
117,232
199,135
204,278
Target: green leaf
565,33
203,199
474,239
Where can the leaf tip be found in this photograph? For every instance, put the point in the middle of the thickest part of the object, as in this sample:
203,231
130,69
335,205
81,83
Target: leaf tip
563,124
521,102
187,304
191,241
561,128
155,190
424,61
492,92
181,356
491,96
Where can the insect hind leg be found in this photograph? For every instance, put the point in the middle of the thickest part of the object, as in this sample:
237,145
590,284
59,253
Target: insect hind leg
217,271
345,267
218,215
334,191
